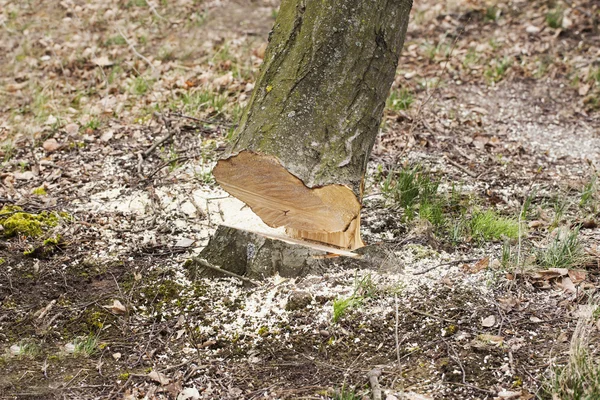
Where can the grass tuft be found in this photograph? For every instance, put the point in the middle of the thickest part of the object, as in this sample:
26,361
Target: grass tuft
342,305
565,251
414,190
554,18
488,226
579,379
589,192
86,345
140,86
497,69
26,348
492,13
201,100
400,100
346,393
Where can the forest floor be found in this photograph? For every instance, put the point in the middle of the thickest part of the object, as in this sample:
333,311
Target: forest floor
482,191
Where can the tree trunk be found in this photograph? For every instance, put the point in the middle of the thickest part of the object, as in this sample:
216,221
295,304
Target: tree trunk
299,156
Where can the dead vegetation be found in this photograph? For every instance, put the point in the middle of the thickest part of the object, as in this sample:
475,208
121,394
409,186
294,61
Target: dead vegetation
481,205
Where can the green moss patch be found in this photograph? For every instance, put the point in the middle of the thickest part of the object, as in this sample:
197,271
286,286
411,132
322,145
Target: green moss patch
15,221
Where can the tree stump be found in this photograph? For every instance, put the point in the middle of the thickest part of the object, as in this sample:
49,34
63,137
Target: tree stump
255,256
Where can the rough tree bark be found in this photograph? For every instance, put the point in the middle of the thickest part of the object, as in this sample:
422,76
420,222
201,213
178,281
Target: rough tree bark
299,156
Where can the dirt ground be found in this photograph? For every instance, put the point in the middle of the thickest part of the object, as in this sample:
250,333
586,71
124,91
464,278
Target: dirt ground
112,114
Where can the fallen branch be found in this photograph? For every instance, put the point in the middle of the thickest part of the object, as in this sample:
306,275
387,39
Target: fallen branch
208,265
46,310
170,134
424,271
375,387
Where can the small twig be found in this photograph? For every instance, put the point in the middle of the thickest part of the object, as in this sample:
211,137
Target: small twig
168,136
139,165
463,169
457,359
175,160
208,265
45,367
426,314
46,309
396,331
132,48
177,366
424,271
471,387
375,387
65,385
153,9
199,210
116,390
204,121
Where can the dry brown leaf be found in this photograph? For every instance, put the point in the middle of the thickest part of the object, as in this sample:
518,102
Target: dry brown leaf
71,129
491,338
568,285
550,273
117,307
159,377
563,337
525,395
535,224
107,135
494,141
508,303
486,341
477,267
481,264
260,51
480,141
51,145
584,89
24,176
223,81
488,322
561,271
577,276
102,61
507,394
51,120
14,87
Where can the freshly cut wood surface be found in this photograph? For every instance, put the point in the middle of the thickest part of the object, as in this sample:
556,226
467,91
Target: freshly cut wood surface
328,214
